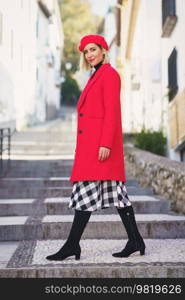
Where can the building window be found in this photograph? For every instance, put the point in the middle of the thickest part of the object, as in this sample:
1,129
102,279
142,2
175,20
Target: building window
182,155
37,27
21,57
37,74
172,74
169,18
1,28
11,44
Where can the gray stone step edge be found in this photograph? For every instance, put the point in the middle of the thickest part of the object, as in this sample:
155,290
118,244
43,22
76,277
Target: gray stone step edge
107,226
59,205
127,271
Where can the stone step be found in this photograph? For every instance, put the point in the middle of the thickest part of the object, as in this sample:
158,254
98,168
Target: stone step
34,192
35,168
43,137
57,206
45,162
162,259
39,166
45,147
22,143
100,226
18,182
18,207
30,192
35,182
141,204
45,151
22,207
40,172
41,144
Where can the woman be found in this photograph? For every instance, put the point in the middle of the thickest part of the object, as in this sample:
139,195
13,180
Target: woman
98,172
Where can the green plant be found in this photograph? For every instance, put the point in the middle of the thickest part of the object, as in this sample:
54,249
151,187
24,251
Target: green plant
153,141
70,91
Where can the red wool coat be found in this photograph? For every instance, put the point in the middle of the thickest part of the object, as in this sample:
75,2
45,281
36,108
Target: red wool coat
99,124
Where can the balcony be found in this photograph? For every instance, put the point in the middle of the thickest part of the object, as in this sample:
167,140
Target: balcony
169,18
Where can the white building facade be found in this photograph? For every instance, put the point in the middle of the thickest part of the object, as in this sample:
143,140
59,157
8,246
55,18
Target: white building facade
173,74
30,84
110,35
152,53
141,54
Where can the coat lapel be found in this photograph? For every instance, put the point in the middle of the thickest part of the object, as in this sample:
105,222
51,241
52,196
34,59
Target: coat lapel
90,83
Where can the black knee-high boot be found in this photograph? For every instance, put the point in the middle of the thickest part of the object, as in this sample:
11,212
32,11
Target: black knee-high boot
71,246
135,240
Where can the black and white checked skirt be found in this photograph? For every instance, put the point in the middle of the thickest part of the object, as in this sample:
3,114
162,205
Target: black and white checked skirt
100,194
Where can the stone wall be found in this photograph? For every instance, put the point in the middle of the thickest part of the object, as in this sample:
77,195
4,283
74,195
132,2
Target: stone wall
165,176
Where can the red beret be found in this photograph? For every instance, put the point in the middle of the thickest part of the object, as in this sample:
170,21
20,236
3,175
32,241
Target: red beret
93,38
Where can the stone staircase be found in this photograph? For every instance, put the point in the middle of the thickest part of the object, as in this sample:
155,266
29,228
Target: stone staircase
35,221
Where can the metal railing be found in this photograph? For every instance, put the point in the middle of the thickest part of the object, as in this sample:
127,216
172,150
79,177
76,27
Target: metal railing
5,146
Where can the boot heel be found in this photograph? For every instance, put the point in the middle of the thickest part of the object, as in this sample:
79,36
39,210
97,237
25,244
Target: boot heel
77,256
142,251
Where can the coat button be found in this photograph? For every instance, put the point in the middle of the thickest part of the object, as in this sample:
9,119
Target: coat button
80,131
81,114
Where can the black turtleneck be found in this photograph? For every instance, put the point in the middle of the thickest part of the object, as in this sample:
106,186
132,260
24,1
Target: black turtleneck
98,65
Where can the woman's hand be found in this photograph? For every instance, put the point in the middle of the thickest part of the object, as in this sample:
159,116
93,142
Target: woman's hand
103,153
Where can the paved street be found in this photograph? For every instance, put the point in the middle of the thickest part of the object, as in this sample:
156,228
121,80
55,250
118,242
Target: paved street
35,219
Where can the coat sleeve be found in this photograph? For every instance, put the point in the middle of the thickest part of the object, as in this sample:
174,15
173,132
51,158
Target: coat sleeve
111,101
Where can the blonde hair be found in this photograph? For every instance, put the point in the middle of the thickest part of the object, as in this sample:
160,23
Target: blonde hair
85,66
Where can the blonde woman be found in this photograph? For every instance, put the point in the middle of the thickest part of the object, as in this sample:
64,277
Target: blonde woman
98,173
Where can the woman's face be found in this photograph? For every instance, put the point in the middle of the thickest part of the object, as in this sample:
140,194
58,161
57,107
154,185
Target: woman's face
93,54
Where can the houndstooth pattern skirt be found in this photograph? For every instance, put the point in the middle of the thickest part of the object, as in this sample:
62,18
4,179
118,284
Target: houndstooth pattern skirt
100,194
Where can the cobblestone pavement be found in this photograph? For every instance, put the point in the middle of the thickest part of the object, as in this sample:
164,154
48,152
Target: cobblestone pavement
99,251
33,253
163,258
